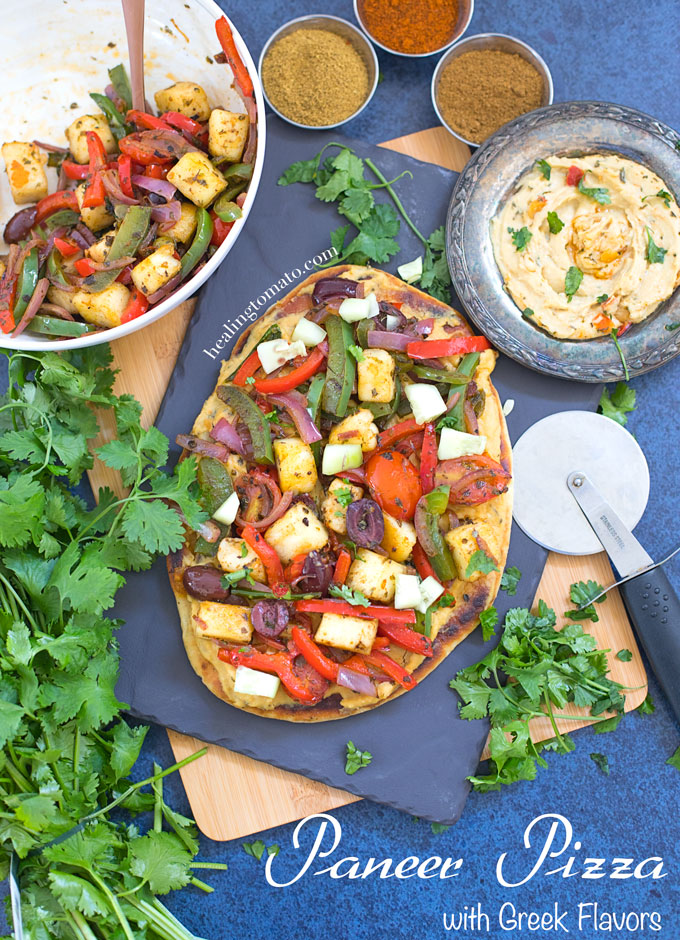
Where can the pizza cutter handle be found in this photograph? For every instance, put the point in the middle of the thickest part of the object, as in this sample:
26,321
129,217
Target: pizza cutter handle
654,609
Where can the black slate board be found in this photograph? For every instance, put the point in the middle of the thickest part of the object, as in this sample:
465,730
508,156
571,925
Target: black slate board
422,752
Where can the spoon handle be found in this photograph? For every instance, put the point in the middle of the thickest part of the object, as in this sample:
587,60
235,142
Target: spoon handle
133,11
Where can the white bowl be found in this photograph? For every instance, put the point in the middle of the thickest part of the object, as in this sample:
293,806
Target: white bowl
55,53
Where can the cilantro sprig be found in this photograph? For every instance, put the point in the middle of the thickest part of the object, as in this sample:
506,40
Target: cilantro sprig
346,593
356,759
618,404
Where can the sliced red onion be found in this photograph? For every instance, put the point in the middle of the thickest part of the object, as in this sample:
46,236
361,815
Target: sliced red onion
88,237
150,236
358,475
241,199
471,422
160,187
294,403
251,143
419,520
33,305
68,288
424,327
165,291
197,445
280,506
54,310
270,618
365,523
381,339
329,287
210,531
161,144
50,148
452,400
226,433
170,212
112,187
112,265
355,681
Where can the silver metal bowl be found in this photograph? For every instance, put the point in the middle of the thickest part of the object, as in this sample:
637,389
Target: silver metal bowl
342,28
502,43
465,11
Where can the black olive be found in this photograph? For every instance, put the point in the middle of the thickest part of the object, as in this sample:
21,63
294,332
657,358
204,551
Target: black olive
205,583
365,523
269,618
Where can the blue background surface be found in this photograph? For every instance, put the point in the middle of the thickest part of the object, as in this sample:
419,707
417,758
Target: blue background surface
623,52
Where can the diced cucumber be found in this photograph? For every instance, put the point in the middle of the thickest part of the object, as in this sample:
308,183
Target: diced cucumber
508,405
339,457
277,352
454,443
407,592
311,334
412,271
251,682
430,590
359,308
228,511
426,402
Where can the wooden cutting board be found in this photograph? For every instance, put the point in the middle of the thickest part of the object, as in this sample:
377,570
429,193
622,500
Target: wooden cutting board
232,796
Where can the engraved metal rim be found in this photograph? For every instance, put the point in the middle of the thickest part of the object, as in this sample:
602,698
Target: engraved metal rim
484,317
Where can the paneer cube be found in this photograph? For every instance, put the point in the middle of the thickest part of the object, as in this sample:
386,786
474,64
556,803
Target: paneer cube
355,634
296,465
234,554
400,537
297,532
25,165
223,622
197,179
100,250
374,575
236,465
185,97
184,228
375,376
154,271
356,429
63,298
467,539
228,132
334,506
97,217
105,308
3,267
77,139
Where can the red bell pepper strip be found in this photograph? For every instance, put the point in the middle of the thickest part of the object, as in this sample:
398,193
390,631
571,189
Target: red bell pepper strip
156,171
65,247
294,569
268,557
187,125
281,664
75,171
125,175
95,194
284,383
136,306
226,38
390,667
247,369
147,121
326,667
63,199
96,151
372,612
8,288
428,458
422,563
84,267
574,175
405,637
129,146
397,432
220,229
434,348
624,329
342,566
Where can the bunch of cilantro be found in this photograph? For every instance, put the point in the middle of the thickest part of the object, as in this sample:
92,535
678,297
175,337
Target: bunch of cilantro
534,672
341,179
66,752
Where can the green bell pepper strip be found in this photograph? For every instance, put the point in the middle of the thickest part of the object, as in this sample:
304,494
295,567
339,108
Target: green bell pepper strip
127,240
314,395
54,269
117,124
437,500
341,369
53,326
466,366
240,171
442,560
235,190
255,421
363,326
442,375
121,84
214,481
199,246
227,211
64,217
27,283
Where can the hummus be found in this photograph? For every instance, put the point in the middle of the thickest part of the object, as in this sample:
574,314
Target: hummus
583,258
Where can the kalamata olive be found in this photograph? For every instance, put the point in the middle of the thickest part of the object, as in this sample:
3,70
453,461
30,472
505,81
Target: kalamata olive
329,287
310,678
317,572
205,583
307,500
20,225
365,523
269,618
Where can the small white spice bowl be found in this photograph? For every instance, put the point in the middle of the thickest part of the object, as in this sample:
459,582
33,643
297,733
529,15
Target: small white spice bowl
501,43
342,28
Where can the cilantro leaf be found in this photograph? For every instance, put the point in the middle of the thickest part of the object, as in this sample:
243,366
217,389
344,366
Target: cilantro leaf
510,579
438,828
572,281
581,592
624,655
347,594
343,495
161,861
609,724
646,707
598,193
21,507
674,759
520,237
356,204
544,167
480,561
156,527
601,761
617,404
337,183
555,223
356,759
662,194
255,849
527,313
76,892
488,619
302,171
655,253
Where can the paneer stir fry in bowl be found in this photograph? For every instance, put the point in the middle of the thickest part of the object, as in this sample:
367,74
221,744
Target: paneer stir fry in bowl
142,203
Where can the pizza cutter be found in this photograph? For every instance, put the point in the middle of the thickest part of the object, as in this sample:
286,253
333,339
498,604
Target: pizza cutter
563,465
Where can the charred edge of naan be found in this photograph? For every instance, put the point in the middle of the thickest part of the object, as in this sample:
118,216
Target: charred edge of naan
481,593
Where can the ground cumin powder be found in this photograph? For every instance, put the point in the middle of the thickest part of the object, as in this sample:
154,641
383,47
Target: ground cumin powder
314,76
481,90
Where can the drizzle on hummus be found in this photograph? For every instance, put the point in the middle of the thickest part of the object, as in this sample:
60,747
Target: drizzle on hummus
608,222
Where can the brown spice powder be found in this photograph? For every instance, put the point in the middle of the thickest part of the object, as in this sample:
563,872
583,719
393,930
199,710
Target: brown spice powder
483,89
315,77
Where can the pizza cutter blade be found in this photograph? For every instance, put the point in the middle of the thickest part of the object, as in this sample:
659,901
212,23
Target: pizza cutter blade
563,465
